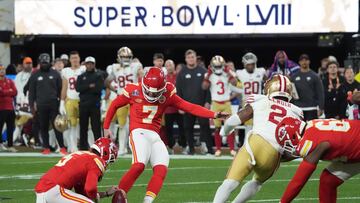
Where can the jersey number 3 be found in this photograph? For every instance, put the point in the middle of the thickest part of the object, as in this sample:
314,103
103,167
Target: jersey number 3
276,114
149,109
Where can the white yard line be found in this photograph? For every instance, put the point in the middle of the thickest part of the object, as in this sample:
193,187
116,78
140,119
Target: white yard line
296,200
127,156
175,184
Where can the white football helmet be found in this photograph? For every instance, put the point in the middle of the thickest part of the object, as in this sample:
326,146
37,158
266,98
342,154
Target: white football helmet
249,58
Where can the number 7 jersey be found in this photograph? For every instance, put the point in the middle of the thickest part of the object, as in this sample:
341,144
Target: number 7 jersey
144,114
267,113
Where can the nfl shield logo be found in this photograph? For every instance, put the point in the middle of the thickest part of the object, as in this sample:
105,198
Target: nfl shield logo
135,93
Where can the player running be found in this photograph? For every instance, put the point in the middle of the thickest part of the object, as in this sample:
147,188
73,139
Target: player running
332,140
218,79
80,170
148,101
121,74
69,104
260,153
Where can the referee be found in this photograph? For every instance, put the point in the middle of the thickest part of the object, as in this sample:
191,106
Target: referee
44,97
89,85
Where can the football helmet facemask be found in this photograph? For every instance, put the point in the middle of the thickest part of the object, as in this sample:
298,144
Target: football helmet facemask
124,56
217,64
106,149
153,84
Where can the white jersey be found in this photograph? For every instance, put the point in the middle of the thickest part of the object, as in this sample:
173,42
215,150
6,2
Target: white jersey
220,87
123,75
267,113
251,81
112,95
21,80
70,76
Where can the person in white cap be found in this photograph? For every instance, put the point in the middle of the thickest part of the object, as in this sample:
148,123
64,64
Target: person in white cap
89,85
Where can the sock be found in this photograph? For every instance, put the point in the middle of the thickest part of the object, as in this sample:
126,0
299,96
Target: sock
122,141
73,140
156,181
224,191
217,138
128,180
231,140
17,133
248,190
148,199
328,187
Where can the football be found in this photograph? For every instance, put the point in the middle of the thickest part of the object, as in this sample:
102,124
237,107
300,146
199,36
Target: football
119,197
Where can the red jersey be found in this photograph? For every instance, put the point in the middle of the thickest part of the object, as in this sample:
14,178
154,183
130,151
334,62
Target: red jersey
343,136
144,114
7,93
80,170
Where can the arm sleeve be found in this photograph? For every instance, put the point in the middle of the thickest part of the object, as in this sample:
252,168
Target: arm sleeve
301,176
91,183
11,92
120,101
179,85
319,92
99,85
32,90
59,85
193,109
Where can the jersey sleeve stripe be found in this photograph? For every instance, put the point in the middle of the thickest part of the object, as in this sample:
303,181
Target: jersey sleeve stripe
125,93
306,148
133,148
71,197
99,164
173,92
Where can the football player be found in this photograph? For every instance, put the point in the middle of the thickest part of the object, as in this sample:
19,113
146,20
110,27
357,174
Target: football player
219,78
121,74
261,152
337,141
80,170
69,104
148,101
22,100
252,79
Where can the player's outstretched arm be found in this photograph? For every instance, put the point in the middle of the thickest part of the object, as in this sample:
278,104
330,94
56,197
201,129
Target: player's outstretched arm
303,173
120,101
193,109
234,120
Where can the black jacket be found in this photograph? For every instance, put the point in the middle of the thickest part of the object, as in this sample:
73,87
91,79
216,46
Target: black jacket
44,87
188,85
335,99
90,96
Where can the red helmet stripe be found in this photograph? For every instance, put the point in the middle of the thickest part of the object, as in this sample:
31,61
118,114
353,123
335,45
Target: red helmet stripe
280,87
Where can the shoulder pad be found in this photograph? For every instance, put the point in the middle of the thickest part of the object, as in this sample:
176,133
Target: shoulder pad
254,98
100,164
170,88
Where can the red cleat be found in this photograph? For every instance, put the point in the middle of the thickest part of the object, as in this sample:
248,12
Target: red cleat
46,151
63,151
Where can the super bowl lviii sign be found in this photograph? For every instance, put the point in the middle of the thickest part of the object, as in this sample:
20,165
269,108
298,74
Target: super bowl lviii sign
158,17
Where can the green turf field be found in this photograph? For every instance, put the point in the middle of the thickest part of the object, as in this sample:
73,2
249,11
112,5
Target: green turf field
187,181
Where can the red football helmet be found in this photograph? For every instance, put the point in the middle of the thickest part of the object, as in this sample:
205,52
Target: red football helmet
106,148
153,84
288,133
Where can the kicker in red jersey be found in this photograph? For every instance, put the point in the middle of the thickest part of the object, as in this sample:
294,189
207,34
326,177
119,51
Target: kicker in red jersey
343,136
147,115
68,173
